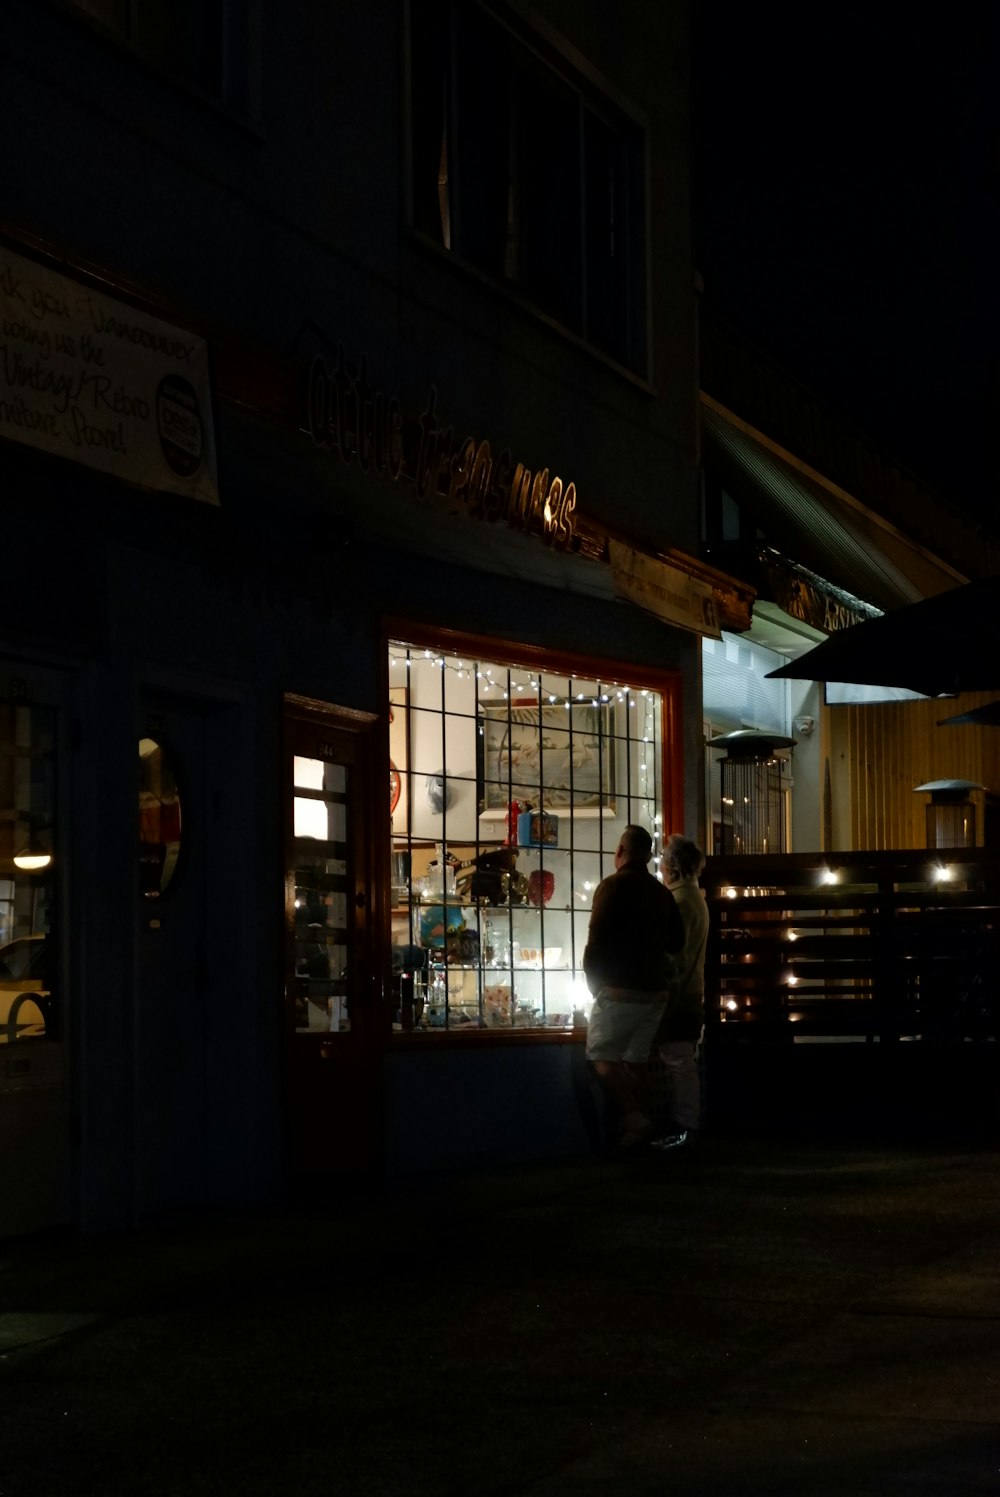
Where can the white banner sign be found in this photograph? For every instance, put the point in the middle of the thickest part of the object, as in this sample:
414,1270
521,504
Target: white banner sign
90,379
664,590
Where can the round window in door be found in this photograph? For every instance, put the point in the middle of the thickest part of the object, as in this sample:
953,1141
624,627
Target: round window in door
159,819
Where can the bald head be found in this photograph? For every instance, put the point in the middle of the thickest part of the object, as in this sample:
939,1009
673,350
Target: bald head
635,845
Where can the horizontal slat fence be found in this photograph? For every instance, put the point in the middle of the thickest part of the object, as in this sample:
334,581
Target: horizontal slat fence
875,947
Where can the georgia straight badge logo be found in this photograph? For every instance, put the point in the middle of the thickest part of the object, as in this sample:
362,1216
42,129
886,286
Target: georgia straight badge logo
178,421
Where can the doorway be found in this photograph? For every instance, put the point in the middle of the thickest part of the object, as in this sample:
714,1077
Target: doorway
334,1020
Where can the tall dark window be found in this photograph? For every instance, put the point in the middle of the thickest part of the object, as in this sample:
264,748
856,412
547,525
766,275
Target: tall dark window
523,170
200,42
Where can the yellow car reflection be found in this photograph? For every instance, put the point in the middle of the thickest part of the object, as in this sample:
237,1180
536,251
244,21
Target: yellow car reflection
24,995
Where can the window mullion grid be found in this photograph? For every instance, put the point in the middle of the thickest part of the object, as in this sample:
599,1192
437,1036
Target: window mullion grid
474,666
510,838
602,749
629,745
542,810
658,781
443,665
409,800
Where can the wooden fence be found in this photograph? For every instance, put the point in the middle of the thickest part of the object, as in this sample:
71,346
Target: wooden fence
875,947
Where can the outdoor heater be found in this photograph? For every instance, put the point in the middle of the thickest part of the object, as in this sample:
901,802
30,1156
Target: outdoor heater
754,785
951,815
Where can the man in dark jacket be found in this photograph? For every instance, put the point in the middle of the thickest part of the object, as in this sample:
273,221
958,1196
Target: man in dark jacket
634,927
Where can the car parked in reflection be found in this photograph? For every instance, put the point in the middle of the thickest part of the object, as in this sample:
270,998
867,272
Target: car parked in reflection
24,994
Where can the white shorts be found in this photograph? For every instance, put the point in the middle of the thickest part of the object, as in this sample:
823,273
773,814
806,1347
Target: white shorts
622,1028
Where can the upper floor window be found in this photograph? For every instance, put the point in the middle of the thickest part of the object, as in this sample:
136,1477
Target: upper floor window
203,43
522,169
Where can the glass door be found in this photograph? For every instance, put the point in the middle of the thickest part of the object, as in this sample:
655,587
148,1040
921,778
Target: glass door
35,1151
321,897
332,1095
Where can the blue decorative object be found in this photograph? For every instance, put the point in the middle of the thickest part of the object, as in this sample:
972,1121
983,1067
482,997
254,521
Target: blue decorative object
537,829
438,922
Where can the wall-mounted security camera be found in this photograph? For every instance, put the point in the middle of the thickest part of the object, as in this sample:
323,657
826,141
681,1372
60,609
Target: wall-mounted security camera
803,725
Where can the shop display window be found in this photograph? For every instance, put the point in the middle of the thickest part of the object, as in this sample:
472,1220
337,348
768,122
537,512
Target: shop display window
509,787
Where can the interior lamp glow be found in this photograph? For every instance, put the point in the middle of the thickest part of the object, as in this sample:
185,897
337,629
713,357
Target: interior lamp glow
31,862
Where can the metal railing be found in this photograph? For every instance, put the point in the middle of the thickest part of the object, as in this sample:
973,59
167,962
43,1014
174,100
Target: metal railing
874,947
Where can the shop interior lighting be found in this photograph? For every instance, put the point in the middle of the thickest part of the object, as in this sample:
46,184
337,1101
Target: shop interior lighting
732,1005
32,862
941,872
829,876
730,893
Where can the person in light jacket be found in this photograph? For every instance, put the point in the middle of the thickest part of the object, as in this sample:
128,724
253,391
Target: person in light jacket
680,1029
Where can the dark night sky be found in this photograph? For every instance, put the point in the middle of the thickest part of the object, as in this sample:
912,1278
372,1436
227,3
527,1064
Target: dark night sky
846,205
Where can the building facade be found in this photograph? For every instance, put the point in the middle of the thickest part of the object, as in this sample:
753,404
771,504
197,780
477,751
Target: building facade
349,436
829,532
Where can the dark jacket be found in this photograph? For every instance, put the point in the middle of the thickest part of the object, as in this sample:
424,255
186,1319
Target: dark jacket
634,926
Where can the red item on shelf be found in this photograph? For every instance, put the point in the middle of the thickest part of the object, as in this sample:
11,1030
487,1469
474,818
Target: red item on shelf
541,885
513,812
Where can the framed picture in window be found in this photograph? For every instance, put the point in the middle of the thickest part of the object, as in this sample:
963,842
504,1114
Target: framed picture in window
557,756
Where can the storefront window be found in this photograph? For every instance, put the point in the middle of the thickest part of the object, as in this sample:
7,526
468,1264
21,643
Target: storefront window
509,787
27,871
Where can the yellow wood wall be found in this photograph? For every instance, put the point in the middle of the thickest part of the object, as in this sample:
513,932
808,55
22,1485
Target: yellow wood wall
878,754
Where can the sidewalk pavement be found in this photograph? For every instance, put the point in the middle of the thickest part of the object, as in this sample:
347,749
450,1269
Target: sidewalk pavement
756,1317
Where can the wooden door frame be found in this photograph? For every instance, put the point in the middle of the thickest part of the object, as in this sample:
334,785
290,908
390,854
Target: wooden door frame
358,1054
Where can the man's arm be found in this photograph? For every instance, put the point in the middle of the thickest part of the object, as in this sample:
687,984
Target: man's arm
594,952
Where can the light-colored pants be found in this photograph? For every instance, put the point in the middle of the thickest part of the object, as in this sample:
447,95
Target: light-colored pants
680,1061
621,1029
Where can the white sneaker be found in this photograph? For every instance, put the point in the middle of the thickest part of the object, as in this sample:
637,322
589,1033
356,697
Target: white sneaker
685,1139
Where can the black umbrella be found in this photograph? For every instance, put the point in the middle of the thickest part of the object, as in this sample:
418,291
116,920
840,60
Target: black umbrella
940,646
989,714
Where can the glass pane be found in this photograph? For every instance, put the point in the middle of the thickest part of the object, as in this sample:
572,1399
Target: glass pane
307,773
320,819
159,819
321,944
27,881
